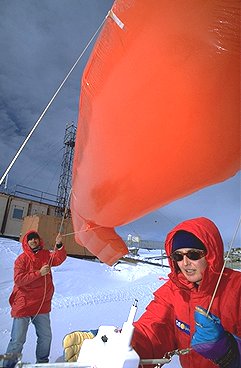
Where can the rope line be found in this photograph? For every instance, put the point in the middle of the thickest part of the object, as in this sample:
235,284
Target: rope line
42,302
65,211
48,105
224,265
82,230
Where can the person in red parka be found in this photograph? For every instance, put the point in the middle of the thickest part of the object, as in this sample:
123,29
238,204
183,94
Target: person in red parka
32,294
178,316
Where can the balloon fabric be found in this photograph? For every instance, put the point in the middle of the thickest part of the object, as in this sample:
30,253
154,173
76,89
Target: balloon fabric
159,114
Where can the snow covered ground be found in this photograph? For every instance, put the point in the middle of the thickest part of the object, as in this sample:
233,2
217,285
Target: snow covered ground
87,295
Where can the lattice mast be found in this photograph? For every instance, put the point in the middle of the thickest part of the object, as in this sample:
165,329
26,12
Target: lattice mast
65,178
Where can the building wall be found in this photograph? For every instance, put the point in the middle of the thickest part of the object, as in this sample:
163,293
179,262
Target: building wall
3,206
38,209
13,210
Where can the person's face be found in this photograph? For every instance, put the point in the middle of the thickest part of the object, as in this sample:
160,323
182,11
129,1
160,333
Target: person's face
33,243
192,270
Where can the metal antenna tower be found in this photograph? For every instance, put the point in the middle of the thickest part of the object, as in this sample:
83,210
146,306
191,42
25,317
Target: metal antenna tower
64,186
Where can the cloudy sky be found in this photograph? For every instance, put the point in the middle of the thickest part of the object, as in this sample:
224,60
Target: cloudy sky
39,41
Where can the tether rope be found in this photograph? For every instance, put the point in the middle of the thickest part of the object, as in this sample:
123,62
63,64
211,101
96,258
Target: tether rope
48,105
224,265
83,230
65,211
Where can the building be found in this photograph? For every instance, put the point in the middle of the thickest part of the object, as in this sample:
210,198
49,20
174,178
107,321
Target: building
15,207
28,209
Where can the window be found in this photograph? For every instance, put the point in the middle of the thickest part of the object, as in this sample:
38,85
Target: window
18,213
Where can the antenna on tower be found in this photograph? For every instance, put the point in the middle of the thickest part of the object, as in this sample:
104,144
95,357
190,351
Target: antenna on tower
65,178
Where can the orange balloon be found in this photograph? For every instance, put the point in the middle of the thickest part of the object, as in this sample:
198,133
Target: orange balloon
159,114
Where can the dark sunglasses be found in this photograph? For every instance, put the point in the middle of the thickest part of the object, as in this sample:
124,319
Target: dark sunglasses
194,255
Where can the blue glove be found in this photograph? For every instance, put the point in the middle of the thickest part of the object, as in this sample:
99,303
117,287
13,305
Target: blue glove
212,341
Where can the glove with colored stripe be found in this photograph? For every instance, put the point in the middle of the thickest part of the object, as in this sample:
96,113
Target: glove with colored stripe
213,342
73,341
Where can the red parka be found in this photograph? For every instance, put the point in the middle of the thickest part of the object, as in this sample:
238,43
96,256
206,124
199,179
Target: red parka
32,293
168,322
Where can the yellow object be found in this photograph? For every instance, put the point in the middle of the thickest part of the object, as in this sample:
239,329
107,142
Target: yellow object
72,343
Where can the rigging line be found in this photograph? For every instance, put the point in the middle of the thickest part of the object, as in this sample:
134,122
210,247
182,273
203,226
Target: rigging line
48,105
79,231
65,212
61,227
42,302
83,230
225,261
